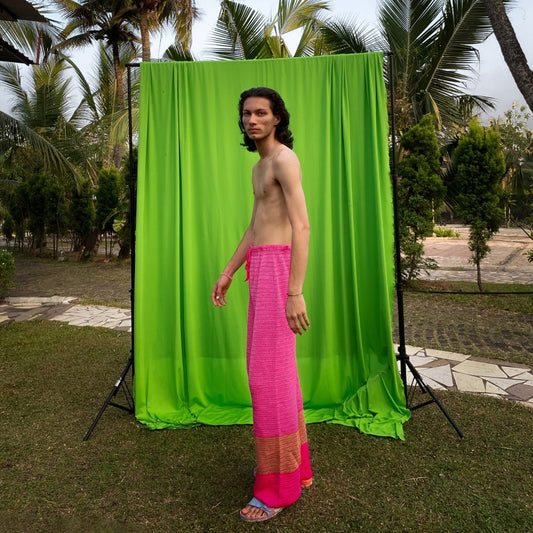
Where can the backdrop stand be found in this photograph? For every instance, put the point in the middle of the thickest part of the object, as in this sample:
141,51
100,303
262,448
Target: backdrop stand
121,383
402,356
405,362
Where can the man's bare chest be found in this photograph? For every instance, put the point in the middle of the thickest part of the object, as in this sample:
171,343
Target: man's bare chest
264,183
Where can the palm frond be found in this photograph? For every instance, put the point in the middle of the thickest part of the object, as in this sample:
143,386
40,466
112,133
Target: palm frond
239,32
181,14
176,52
11,78
15,134
120,129
348,36
311,41
453,57
409,27
87,109
26,36
295,14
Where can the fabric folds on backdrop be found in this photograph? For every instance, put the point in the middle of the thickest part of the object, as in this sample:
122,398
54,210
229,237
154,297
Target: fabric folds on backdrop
194,202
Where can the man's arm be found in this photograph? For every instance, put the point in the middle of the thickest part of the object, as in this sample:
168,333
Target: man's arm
287,172
218,294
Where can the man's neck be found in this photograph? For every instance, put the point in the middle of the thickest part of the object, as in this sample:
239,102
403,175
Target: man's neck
267,147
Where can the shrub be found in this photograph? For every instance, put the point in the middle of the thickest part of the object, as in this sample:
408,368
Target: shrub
446,232
7,270
420,193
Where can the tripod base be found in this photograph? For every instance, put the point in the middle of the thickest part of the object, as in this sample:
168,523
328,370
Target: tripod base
119,384
406,363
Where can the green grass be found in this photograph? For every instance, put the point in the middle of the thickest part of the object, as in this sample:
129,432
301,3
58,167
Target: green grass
515,297
55,377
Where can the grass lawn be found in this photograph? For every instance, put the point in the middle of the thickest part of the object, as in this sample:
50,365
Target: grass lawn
55,377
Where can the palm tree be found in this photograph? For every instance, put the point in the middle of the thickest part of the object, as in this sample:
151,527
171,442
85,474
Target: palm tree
152,14
96,114
111,21
433,42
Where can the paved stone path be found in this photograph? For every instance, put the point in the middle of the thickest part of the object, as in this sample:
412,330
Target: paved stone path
440,370
506,262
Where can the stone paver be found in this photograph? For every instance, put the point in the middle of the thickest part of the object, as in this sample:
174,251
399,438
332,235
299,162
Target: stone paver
470,374
440,370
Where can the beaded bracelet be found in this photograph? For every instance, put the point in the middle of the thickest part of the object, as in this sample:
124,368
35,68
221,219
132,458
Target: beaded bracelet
229,276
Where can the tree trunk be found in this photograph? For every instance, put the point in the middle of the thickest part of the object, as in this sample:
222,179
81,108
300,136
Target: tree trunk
92,244
511,49
477,261
119,91
145,36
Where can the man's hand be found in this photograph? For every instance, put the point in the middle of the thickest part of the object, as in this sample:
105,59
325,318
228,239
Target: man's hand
296,314
218,294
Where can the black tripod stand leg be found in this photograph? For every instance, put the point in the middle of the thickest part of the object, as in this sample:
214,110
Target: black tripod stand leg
120,382
424,388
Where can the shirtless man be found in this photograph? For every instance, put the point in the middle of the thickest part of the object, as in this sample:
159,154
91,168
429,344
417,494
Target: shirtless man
275,248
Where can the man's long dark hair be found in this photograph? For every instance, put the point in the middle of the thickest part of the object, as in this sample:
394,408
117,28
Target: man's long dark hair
283,134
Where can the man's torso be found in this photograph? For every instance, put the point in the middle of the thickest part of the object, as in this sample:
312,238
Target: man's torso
271,223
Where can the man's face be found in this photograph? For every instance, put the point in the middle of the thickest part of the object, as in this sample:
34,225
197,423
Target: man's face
257,117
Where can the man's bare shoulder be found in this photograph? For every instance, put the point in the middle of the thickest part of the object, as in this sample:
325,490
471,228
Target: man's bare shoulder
285,157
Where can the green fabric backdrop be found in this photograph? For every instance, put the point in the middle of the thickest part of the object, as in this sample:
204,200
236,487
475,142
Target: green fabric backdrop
194,203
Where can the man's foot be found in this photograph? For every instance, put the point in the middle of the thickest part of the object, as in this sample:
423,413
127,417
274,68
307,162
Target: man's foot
257,511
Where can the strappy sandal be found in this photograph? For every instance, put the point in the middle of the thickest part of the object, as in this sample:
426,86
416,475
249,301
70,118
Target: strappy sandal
270,512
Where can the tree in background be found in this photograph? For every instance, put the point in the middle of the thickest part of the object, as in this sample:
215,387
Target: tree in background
154,14
433,42
420,194
42,122
82,215
476,188
110,21
8,227
7,271
123,220
517,145
434,46
107,201
46,209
